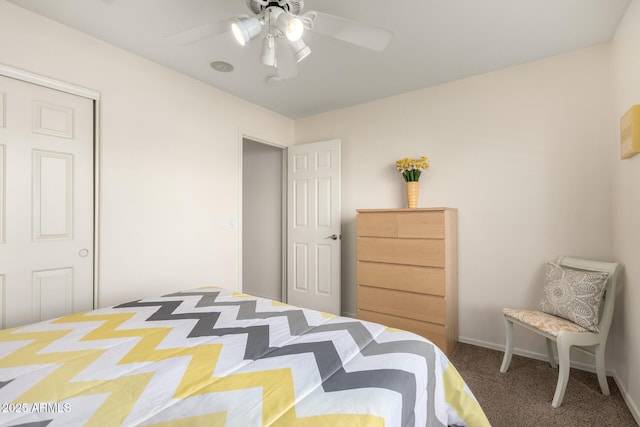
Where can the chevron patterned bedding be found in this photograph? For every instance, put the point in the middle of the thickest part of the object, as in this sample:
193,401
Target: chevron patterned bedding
210,357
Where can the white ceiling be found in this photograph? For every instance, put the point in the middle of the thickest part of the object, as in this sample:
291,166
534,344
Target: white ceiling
434,41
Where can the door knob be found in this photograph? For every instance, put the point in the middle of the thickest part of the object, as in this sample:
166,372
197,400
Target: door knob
332,237
83,252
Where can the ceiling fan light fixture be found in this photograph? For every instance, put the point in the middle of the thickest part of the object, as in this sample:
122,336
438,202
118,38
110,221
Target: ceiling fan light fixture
245,29
300,49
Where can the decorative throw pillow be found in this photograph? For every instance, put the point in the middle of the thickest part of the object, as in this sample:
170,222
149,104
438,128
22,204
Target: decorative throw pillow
573,294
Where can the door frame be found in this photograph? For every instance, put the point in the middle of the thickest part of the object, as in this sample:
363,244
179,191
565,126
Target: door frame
39,80
242,135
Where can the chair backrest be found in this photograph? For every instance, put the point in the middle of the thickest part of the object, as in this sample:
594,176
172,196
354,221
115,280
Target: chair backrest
609,297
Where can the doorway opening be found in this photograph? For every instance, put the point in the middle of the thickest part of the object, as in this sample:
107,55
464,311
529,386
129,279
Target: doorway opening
263,220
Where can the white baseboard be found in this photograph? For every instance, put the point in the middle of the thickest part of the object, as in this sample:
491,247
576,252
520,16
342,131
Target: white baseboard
633,408
530,354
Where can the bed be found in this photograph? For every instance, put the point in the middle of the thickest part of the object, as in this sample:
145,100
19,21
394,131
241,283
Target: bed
212,357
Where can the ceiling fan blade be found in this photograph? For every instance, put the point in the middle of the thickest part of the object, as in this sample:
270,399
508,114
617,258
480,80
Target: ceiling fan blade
286,65
200,32
349,31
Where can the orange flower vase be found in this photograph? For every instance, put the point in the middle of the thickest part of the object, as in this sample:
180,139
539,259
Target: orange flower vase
413,188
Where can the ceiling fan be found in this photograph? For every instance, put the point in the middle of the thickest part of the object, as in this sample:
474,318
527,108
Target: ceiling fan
284,23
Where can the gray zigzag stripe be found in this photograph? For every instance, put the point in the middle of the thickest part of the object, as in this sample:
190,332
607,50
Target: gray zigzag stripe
335,378
33,424
371,348
298,324
329,363
361,335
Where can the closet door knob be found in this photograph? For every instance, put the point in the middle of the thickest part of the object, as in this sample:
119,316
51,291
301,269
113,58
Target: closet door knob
332,237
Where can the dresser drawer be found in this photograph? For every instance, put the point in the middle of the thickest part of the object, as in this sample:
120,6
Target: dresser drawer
427,308
423,225
425,252
437,334
423,280
377,224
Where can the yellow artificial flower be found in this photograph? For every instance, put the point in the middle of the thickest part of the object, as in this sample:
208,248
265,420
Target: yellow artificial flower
412,168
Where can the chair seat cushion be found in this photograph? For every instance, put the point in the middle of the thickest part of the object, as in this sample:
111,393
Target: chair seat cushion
543,321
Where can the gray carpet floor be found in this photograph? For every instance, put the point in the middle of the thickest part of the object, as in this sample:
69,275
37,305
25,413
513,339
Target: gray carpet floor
522,397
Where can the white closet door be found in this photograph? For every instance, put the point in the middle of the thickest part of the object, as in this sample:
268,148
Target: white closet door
46,203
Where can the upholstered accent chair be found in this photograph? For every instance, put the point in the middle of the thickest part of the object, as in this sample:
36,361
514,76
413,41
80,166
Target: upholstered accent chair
576,310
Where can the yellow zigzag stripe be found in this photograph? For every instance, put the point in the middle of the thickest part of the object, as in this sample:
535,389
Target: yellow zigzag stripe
203,357
279,399
208,420
350,420
56,387
123,392
277,385
457,396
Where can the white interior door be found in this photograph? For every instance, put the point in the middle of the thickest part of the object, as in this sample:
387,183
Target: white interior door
46,211
313,226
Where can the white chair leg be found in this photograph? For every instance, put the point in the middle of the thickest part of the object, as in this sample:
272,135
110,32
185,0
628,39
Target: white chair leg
563,374
552,358
508,350
600,369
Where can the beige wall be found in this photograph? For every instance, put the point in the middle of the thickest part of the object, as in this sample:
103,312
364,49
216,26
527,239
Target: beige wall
626,209
522,153
170,150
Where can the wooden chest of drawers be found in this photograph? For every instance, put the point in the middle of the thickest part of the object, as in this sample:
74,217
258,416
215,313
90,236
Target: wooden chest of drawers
407,271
